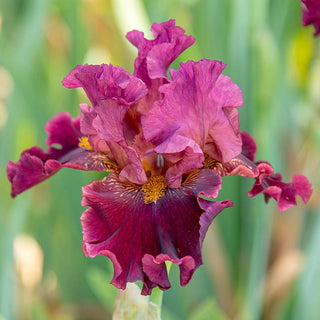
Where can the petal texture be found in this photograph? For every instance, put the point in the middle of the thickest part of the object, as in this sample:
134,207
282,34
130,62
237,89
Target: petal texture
106,81
285,194
112,91
155,56
198,107
139,237
35,165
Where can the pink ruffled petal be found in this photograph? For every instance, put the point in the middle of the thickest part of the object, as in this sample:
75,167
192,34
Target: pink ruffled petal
112,92
285,194
106,81
198,104
140,237
155,56
87,117
303,187
108,123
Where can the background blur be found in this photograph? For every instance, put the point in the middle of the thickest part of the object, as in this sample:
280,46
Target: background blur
258,263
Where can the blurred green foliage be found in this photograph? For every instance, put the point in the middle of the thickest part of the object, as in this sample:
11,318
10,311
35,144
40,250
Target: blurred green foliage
258,263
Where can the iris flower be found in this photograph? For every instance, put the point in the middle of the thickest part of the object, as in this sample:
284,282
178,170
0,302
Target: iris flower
311,14
165,142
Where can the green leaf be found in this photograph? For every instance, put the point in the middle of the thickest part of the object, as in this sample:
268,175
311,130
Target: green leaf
12,228
208,310
308,296
105,292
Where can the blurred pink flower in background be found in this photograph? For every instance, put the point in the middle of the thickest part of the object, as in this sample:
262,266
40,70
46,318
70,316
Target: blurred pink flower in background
311,14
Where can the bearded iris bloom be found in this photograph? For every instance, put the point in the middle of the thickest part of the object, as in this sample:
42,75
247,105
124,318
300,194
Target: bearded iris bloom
311,14
166,144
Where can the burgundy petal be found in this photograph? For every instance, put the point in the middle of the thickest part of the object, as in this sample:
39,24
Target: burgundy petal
139,237
311,14
285,194
155,268
32,168
249,146
35,165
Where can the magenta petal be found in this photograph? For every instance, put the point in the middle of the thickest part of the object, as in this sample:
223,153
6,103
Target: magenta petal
134,170
155,56
35,165
30,170
303,187
191,157
199,104
112,91
139,237
249,146
157,272
109,120
87,117
285,194
109,124
239,165
311,14
63,131
106,81
211,211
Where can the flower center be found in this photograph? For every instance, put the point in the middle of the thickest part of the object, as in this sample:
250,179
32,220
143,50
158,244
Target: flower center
154,188
84,143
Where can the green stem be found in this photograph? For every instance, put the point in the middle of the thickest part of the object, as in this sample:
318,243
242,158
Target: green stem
157,294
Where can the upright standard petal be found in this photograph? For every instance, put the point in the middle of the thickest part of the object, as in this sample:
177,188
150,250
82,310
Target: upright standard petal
112,91
110,126
198,105
88,115
106,81
155,56
139,237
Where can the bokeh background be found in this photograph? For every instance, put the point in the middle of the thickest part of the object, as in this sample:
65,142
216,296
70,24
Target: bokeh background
258,263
